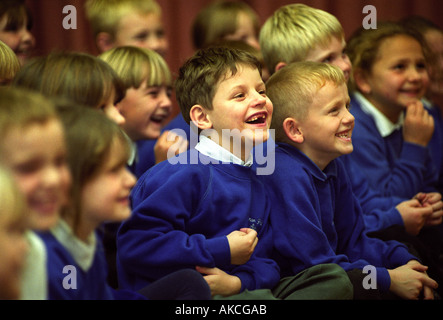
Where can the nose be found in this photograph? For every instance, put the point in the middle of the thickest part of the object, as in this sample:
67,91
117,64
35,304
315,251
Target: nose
348,117
130,179
345,65
165,100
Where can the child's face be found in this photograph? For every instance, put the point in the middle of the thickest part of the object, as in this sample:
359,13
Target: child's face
111,111
144,31
333,54
145,110
13,248
398,75
105,197
37,157
328,126
241,103
20,40
245,31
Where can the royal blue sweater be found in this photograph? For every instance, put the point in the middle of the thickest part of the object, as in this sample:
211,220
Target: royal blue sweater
181,216
316,219
391,165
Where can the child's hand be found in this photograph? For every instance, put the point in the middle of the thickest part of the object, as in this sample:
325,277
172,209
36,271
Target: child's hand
409,280
414,215
433,200
242,244
220,282
419,124
168,145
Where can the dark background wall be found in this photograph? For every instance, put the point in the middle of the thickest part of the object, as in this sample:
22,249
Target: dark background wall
179,14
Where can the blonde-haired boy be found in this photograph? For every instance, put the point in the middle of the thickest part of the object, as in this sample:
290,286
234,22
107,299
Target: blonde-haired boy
298,32
127,22
311,188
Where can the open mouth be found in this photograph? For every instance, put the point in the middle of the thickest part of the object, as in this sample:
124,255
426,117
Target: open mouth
158,118
345,135
259,118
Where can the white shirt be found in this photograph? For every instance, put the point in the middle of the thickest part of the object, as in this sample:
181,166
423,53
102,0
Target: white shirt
384,126
211,149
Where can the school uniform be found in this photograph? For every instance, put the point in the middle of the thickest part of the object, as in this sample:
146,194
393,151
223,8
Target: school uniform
390,165
182,214
319,220
77,270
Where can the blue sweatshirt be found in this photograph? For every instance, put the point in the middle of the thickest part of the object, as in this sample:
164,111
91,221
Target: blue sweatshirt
181,216
316,219
391,165
78,271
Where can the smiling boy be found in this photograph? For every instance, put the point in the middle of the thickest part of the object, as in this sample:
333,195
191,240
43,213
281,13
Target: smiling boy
318,218
210,215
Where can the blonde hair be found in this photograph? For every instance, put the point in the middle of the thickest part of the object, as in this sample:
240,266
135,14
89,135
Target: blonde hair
20,108
105,15
218,20
135,65
85,79
9,64
292,90
293,30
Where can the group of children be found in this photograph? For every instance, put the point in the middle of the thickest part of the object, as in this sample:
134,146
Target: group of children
357,163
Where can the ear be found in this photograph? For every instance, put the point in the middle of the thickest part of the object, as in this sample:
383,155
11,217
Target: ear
361,81
280,65
292,130
200,117
104,41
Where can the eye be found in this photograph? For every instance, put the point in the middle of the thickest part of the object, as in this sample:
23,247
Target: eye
141,36
239,95
421,65
399,66
328,59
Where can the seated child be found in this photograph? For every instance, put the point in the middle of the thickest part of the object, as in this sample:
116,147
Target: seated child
9,64
318,219
13,245
100,191
15,26
146,106
80,77
205,208
225,20
29,120
116,23
311,34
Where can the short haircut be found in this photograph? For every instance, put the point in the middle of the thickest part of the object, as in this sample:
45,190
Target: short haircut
9,64
218,20
292,90
199,77
82,77
136,65
364,44
293,30
105,15
20,108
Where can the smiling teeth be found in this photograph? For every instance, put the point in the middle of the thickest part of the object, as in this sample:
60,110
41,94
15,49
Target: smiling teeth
256,118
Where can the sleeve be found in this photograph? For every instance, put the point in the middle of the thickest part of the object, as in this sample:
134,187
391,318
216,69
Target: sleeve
155,241
404,176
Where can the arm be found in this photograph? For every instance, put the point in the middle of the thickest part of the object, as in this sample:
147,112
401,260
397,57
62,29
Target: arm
391,165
